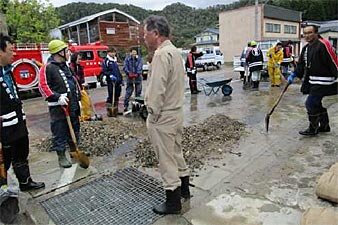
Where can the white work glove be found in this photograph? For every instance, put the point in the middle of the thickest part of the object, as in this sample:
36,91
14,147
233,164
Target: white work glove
63,100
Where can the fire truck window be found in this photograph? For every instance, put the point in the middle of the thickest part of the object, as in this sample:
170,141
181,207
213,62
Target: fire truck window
87,55
102,54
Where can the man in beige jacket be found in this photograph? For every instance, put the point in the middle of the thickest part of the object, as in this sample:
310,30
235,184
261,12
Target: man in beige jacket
164,100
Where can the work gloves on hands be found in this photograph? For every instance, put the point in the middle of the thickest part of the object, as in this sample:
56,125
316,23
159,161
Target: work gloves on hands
63,100
291,77
113,78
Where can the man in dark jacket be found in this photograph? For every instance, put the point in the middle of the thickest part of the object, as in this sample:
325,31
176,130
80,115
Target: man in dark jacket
112,72
14,133
318,66
192,70
133,69
255,62
61,90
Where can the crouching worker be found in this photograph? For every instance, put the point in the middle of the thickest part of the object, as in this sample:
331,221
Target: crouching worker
14,133
60,89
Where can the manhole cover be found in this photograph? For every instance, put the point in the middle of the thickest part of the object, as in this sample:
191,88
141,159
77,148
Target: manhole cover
126,197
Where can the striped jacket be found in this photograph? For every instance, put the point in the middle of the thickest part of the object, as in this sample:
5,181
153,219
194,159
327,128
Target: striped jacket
318,65
13,118
56,79
255,59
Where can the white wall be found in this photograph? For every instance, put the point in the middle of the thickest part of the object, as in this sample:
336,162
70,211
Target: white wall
237,27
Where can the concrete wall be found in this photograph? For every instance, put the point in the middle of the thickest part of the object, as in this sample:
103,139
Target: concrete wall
237,27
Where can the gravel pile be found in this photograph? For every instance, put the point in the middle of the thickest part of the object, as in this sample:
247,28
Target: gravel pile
212,137
101,137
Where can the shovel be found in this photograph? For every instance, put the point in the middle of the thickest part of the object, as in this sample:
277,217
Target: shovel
96,117
267,116
78,155
114,108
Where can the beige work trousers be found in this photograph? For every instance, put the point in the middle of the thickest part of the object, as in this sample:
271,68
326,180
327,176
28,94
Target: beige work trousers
166,137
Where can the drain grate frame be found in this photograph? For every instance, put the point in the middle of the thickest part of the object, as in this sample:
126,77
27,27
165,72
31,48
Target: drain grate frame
124,198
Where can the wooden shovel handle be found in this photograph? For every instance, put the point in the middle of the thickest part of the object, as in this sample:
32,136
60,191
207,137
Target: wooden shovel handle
71,130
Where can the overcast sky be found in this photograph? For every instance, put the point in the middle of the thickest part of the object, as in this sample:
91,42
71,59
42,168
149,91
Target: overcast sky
150,4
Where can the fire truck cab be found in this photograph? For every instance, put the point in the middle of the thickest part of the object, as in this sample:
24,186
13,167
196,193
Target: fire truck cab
92,56
28,58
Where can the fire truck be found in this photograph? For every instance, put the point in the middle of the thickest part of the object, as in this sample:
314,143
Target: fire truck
28,58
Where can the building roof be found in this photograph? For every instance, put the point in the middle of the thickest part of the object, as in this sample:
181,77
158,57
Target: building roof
210,30
324,26
94,16
275,12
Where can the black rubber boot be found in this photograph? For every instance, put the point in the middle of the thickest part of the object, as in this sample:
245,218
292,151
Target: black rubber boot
172,205
255,85
26,183
324,122
313,126
185,191
63,161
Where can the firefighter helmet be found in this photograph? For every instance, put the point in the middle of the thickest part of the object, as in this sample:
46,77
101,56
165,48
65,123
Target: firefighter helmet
56,46
253,43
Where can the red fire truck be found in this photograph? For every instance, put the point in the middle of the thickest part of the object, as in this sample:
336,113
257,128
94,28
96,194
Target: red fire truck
28,58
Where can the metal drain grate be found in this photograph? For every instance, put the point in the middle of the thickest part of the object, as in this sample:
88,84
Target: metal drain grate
126,197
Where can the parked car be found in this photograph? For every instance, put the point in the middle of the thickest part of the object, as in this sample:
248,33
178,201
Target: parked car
211,57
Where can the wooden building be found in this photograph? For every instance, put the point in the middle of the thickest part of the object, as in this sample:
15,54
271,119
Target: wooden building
112,27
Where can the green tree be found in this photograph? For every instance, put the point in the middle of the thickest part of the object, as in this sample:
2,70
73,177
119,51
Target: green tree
30,20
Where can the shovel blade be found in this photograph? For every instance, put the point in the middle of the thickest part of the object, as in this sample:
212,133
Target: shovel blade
81,158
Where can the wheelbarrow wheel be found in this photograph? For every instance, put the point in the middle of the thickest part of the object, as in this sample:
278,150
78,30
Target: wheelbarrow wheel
144,112
226,90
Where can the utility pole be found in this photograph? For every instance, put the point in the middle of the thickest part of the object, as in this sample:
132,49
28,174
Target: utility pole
256,20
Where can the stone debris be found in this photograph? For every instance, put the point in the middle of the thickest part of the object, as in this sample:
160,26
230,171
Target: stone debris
102,137
210,138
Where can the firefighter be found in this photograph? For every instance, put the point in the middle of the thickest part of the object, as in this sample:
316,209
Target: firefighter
255,61
133,69
164,100
275,58
60,88
192,70
14,133
112,72
318,66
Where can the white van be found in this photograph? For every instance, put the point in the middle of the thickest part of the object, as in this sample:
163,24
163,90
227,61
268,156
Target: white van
211,57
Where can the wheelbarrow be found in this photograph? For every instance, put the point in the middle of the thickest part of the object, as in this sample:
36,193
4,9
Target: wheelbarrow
212,87
138,107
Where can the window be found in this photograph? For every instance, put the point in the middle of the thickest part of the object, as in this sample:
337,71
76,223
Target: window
87,55
290,29
110,30
102,54
272,28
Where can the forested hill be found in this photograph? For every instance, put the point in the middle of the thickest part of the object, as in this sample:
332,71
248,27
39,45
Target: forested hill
188,21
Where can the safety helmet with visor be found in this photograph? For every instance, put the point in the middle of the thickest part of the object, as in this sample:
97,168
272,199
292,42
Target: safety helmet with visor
56,46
